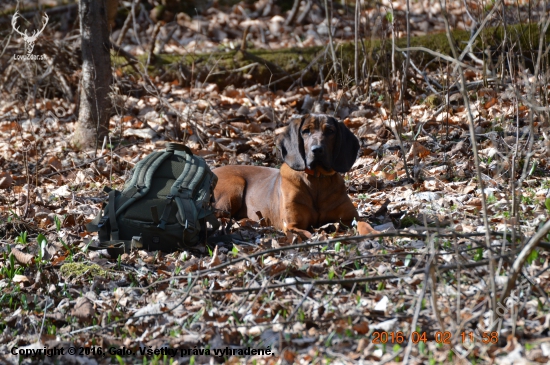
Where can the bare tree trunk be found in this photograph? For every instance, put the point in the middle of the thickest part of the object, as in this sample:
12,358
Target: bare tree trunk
95,105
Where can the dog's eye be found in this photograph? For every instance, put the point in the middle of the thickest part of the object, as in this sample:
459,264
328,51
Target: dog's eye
329,131
305,131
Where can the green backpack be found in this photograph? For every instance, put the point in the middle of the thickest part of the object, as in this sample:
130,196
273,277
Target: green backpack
164,206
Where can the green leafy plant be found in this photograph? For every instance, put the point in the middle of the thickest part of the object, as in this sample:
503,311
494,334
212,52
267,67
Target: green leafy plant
22,238
9,270
532,256
479,254
407,260
66,247
57,223
42,242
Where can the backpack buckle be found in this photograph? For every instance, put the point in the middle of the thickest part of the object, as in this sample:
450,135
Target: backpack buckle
102,221
136,242
189,225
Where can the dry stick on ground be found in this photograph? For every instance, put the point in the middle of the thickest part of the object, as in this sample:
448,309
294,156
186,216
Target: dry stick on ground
304,71
304,297
132,61
151,55
272,67
442,56
305,13
292,13
240,69
468,47
327,242
462,84
520,261
396,127
532,101
328,13
514,155
134,22
348,281
404,87
125,27
392,13
356,40
419,300
168,37
433,288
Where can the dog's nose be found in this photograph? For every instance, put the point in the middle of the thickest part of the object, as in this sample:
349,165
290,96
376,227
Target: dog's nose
317,149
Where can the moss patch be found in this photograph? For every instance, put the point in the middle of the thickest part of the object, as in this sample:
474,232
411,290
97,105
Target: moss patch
285,67
432,101
75,270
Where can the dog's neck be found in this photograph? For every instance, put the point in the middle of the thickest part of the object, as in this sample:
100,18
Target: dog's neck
319,172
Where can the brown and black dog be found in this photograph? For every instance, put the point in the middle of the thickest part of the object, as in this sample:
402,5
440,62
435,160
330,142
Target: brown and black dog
307,191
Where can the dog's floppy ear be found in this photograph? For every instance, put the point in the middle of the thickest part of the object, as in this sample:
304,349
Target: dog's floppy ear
291,145
346,149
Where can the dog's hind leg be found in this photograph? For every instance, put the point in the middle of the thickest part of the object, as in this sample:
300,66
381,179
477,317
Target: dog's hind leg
229,195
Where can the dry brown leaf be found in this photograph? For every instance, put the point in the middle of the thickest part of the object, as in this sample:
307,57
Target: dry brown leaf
22,257
20,279
487,92
490,103
288,355
364,228
361,328
433,185
215,258
417,150
83,309
276,269
5,180
457,147
469,75
55,163
476,202
362,344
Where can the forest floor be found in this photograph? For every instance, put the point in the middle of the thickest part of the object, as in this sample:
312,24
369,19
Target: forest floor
422,290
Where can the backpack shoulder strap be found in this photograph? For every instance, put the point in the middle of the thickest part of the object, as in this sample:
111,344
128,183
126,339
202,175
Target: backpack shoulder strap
182,192
185,206
140,184
187,182
133,185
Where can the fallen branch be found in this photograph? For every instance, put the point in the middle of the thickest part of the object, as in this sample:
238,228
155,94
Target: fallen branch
520,261
360,280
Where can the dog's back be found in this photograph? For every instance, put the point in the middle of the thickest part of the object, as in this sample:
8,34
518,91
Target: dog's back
235,184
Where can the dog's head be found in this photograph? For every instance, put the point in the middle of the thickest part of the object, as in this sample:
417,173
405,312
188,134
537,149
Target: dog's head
320,143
